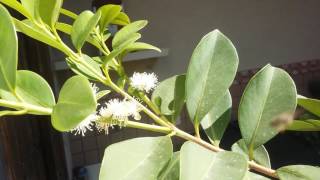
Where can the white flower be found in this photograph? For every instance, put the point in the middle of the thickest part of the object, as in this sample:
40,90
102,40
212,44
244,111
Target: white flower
132,109
114,109
117,112
120,110
144,81
103,125
85,125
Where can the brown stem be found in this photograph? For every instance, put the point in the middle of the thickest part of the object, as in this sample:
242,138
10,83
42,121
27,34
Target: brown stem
253,166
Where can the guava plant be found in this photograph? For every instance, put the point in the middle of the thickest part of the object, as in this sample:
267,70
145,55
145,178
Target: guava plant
267,105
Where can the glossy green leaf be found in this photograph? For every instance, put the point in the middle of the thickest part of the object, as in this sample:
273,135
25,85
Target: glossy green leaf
311,105
80,69
63,27
136,159
119,49
108,14
172,170
170,97
216,121
14,4
260,154
9,96
68,13
122,19
305,125
28,28
76,102
199,163
49,11
8,51
299,172
33,89
32,6
127,32
269,95
138,46
82,27
66,28
211,71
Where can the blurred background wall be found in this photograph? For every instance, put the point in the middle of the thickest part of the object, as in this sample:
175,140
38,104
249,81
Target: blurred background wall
263,31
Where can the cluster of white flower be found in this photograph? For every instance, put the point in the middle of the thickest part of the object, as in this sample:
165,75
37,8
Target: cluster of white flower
115,111
120,110
144,81
85,125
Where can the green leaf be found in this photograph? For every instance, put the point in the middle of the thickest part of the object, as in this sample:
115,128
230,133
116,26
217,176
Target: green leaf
305,125
269,95
127,32
14,4
68,13
170,97
106,36
311,105
216,121
138,46
82,27
254,176
49,11
172,170
80,69
66,28
122,19
136,159
211,71
299,172
8,51
33,89
102,93
76,102
260,154
63,27
222,165
108,14
32,6
119,49
29,29
6,95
